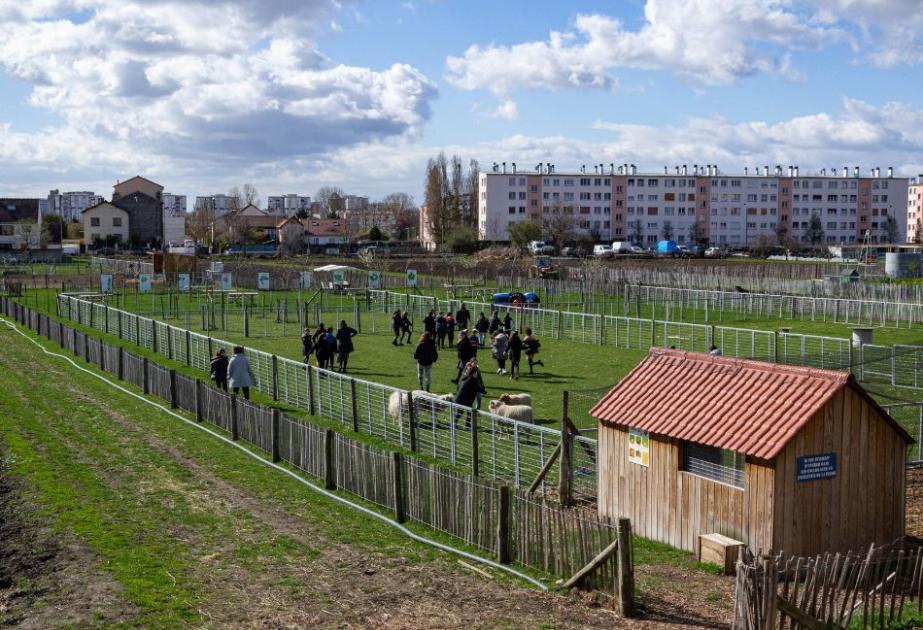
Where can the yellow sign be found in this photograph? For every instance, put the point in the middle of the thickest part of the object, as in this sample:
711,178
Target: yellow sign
639,447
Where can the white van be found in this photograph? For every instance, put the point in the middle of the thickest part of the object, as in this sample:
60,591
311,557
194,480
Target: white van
602,250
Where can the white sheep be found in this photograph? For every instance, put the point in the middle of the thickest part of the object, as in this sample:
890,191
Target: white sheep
516,399
398,401
522,413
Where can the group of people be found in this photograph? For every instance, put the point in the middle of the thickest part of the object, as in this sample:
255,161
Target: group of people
324,345
236,371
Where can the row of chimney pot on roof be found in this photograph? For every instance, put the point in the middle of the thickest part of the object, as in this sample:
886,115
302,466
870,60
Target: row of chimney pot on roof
709,170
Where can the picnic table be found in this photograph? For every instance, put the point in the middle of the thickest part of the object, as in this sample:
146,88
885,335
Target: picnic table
233,296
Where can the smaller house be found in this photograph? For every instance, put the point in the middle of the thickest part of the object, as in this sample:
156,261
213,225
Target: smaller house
317,234
20,224
250,221
137,184
776,456
105,224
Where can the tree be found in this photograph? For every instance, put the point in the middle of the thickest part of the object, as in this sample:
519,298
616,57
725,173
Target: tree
637,232
52,229
375,234
437,214
463,239
697,234
244,196
558,226
667,231
75,230
890,230
332,199
815,232
200,225
522,232
472,189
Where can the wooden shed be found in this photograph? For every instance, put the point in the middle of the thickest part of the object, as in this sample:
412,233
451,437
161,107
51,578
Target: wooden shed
779,457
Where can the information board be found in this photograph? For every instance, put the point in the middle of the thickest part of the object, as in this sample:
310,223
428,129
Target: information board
305,280
227,281
105,283
182,282
144,282
374,279
411,277
262,280
639,447
814,467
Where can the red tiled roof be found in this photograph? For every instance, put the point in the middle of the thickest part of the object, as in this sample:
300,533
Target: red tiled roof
752,407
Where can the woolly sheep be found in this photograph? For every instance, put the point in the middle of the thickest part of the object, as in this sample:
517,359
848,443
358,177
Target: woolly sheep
522,413
398,400
516,399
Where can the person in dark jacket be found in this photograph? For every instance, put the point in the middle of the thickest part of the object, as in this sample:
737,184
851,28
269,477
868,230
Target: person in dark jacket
219,369
482,325
429,324
406,326
507,323
514,352
397,325
344,339
462,317
471,387
494,324
531,345
425,355
465,353
441,330
449,329
322,350
307,344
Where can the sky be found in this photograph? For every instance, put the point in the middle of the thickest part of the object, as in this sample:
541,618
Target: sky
292,95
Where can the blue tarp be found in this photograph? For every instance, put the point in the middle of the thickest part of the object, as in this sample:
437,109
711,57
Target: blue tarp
667,247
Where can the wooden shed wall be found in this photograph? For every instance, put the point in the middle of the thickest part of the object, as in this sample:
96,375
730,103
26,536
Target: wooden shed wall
863,503
672,506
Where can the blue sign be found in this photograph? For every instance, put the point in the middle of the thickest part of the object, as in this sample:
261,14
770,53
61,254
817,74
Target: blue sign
814,467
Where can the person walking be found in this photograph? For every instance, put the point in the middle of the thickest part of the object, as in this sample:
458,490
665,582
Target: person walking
471,387
219,369
429,324
462,317
481,326
397,325
515,353
494,324
498,346
531,345
344,339
507,323
449,329
321,350
425,354
240,372
441,330
330,339
406,326
307,344
465,353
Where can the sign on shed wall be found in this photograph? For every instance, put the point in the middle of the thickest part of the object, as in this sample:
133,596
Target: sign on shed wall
814,467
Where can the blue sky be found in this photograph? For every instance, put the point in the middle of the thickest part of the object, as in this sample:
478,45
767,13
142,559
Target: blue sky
360,94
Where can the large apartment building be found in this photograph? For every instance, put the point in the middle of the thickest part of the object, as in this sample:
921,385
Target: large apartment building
218,204
287,205
69,205
621,204
915,210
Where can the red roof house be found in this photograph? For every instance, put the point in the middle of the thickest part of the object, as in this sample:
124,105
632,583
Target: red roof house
778,457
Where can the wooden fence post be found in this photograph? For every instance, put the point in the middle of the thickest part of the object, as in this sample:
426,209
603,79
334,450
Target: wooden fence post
145,386
626,573
397,479
275,377
330,478
188,348
564,473
474,442
276,414
173,392
211,349
246,321
412,414
504,518
355,407
235,429
154,337
106,315
86,348
120,370
198,401
120,325
310,374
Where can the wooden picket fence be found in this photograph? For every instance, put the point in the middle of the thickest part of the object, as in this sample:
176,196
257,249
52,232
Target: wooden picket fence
882,588
512,525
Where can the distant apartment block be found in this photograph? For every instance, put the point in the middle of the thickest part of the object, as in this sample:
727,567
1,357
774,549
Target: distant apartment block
915,210
174,218
612,203
287,205
219,204
354,202
69,205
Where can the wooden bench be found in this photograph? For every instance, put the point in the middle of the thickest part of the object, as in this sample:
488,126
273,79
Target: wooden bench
720,550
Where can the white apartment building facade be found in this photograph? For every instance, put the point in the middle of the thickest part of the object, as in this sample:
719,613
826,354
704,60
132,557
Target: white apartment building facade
218,204
287,205
355,202
621,204
70,205
915,210
174,218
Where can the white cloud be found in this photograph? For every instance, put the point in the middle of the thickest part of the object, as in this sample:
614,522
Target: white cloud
507,110
891,29
700,40
229,83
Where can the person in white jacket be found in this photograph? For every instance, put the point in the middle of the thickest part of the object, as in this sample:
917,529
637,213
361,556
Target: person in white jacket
240,373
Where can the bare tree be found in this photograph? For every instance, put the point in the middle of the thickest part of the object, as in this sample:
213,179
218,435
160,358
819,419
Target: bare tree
200,225
331,200
244,196
558,226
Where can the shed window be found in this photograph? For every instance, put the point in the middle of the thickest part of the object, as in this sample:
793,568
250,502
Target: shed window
714,463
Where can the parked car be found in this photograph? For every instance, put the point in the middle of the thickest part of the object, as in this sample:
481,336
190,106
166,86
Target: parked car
713,252
516,297
602,250
540,247
569,250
